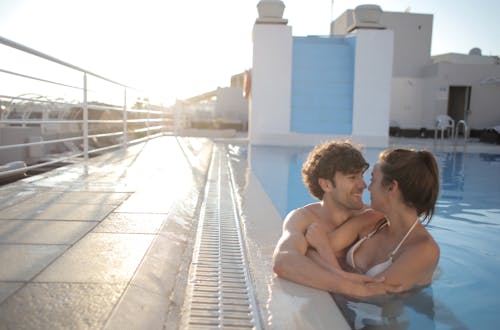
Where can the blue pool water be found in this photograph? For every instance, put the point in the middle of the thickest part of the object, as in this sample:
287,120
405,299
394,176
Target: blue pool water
466,292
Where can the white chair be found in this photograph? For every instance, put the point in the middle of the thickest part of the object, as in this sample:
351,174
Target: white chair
444,122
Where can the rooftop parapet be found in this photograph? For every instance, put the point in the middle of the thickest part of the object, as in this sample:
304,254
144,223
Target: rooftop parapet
366,17
271,12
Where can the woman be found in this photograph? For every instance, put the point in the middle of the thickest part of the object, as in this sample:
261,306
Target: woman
404,188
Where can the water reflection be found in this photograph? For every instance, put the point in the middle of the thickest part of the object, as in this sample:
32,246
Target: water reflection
415,310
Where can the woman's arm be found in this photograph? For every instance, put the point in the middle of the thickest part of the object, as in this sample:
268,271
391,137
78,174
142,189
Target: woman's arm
329,243
317,237
350,231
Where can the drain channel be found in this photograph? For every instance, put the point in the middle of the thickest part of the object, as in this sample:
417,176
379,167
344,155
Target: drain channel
220,292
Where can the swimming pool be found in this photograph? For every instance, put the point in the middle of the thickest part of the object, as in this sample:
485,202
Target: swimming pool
465,293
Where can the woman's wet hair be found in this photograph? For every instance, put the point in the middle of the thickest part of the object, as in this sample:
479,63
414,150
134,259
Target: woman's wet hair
327,159
417,175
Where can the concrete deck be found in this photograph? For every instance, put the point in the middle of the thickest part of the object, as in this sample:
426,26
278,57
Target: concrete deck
101,244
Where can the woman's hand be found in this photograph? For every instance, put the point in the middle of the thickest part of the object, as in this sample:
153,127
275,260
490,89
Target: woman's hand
317,237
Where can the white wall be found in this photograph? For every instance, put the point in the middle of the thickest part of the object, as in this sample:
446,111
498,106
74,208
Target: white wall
412,38
270,101
231,105
412,41
437,78
407,102
372,86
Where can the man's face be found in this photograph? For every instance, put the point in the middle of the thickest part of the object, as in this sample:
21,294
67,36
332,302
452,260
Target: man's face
348,190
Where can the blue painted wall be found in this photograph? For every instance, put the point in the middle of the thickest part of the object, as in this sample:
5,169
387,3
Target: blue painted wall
322,85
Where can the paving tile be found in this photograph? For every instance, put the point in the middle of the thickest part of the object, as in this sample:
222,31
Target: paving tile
43,232
7,288
149,202
32,198
111,186
153,309
144,223
85,197
61,178
99,258
60,306
160,269
10,196
57,211
22,262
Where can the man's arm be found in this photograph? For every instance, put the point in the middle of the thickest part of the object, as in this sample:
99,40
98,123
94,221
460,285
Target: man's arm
291,263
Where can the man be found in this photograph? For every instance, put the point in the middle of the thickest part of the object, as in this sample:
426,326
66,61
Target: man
333,173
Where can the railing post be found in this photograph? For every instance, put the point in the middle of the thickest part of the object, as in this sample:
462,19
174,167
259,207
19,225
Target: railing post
125,119
85,119
147,123
464,123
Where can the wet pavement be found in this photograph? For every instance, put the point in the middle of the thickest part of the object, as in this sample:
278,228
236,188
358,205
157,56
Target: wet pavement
103,243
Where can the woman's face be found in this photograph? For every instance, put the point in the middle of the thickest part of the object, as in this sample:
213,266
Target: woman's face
378,193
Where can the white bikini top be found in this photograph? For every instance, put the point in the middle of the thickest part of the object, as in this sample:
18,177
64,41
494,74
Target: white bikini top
378,268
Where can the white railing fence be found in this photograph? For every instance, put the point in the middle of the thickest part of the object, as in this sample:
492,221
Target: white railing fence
53,112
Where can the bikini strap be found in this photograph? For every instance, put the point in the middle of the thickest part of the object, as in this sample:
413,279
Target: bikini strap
379,227
404,238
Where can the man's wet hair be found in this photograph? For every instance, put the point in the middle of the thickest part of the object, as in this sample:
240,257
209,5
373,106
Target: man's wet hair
328,158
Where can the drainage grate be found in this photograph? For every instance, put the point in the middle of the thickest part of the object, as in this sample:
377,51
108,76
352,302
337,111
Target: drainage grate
220,293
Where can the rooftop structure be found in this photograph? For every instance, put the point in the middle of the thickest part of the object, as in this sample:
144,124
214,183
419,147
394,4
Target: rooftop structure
375,70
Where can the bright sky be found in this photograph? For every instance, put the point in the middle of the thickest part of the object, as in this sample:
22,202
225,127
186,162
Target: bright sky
181,48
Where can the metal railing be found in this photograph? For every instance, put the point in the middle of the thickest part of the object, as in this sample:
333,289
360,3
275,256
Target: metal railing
445,124
53,112
466,130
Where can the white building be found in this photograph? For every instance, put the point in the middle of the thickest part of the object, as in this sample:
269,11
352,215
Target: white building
462,86
223,108
375,70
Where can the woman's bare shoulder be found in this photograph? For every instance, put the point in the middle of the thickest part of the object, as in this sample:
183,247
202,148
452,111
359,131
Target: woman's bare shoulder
422,253
428,247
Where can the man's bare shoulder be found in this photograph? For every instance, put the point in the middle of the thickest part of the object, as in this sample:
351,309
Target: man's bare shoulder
300,218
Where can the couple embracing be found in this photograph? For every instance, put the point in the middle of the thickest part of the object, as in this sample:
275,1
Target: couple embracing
341,245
